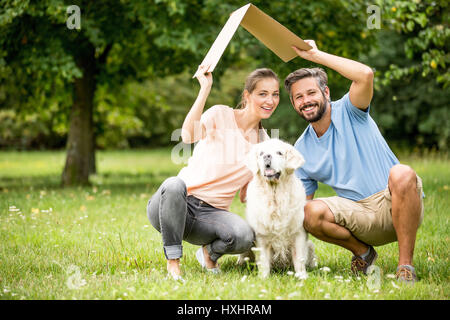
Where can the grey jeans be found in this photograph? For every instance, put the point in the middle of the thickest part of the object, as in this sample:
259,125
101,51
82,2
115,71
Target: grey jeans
180,217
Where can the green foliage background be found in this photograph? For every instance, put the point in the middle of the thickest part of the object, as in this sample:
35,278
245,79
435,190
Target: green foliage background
145,88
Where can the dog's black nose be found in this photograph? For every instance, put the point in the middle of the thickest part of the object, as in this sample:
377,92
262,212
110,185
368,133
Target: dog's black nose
267,160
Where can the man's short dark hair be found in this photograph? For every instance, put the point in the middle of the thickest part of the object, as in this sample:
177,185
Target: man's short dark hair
317,73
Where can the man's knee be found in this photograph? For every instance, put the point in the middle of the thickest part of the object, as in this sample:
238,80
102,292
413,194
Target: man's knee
402,178
315,214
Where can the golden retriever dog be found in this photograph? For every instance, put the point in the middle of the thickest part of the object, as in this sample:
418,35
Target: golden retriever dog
275,203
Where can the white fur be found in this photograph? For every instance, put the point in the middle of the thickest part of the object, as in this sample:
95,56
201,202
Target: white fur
275,208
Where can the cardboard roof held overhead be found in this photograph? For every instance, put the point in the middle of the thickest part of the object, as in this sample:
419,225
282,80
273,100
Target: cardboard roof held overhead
270,32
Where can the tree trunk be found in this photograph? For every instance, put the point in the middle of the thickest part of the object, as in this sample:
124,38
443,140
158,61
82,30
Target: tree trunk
80,159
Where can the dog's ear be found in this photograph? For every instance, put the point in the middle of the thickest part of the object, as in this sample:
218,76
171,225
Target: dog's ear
294,158
251,160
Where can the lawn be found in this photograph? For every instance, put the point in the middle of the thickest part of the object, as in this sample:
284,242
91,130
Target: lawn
96,242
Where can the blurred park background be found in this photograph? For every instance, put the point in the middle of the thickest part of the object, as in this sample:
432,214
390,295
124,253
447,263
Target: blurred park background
123,79
86,123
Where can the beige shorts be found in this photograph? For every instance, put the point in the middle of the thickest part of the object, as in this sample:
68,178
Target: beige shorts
369,219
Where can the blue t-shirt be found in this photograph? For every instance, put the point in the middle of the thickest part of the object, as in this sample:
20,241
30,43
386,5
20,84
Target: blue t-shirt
352,156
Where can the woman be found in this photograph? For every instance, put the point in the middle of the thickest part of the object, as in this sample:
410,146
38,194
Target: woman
194,206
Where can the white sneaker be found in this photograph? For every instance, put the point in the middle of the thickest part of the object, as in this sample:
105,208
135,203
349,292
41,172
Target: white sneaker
176,277
201,259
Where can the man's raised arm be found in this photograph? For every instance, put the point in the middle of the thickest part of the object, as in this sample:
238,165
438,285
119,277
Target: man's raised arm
361,90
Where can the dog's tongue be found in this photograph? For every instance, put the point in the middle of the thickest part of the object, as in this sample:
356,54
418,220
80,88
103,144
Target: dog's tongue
269,172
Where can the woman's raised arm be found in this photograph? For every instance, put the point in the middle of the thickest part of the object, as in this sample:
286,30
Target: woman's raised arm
192,131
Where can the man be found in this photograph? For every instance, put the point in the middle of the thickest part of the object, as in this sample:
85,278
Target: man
378,200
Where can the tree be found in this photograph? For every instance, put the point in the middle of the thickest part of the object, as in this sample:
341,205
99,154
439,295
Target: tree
117,41
412,77
424,25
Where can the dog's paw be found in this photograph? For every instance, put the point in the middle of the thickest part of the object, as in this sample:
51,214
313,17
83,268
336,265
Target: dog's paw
303,275
312,264
264,274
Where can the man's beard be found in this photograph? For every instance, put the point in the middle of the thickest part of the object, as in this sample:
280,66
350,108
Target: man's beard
322,106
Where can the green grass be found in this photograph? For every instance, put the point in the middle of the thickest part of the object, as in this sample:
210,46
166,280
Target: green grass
99,238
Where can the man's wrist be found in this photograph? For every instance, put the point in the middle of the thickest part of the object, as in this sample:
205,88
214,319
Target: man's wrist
317,57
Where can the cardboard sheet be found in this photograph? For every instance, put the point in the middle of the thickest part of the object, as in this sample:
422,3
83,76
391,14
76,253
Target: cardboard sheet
270,32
